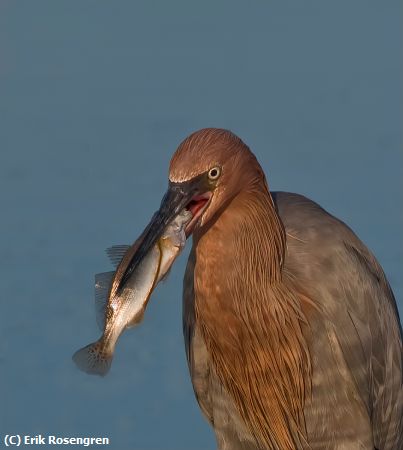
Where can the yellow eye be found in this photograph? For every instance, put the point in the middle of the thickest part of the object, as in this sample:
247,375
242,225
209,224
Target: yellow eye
214,173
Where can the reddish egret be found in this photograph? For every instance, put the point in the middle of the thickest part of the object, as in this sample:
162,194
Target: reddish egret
292,332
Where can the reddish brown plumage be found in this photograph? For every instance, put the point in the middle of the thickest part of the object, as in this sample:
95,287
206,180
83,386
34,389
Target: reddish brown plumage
249,318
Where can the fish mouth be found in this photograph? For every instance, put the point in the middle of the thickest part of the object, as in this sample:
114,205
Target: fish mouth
197,206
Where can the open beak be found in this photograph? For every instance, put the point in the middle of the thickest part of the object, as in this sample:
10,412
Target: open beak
192,195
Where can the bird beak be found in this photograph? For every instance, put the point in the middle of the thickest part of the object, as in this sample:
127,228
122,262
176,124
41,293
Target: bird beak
178,196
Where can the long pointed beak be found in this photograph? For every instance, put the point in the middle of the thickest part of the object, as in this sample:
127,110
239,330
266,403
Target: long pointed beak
176,198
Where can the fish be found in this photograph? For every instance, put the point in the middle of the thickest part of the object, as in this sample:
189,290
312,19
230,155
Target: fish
121,307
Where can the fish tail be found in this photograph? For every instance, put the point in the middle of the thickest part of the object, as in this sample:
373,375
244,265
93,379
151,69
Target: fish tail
95,358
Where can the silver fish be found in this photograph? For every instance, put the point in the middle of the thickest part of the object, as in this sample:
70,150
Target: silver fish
123,307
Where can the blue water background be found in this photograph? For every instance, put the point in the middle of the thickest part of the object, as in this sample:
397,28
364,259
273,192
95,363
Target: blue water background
94,98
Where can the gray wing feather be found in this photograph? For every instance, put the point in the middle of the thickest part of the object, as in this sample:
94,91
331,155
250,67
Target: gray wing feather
356,338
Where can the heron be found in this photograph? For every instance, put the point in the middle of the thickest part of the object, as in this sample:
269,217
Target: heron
292,333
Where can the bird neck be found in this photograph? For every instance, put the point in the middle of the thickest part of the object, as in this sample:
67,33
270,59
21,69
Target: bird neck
247,225
250,320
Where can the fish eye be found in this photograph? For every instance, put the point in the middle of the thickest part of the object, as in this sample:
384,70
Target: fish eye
214,173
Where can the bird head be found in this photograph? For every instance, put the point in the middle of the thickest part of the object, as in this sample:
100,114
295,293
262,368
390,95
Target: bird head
210,168
207,171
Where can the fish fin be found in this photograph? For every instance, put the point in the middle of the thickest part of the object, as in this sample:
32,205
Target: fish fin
166,275
136,320
116,253
103,282
93,359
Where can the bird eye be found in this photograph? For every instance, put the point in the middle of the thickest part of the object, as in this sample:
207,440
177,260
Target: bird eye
214,173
